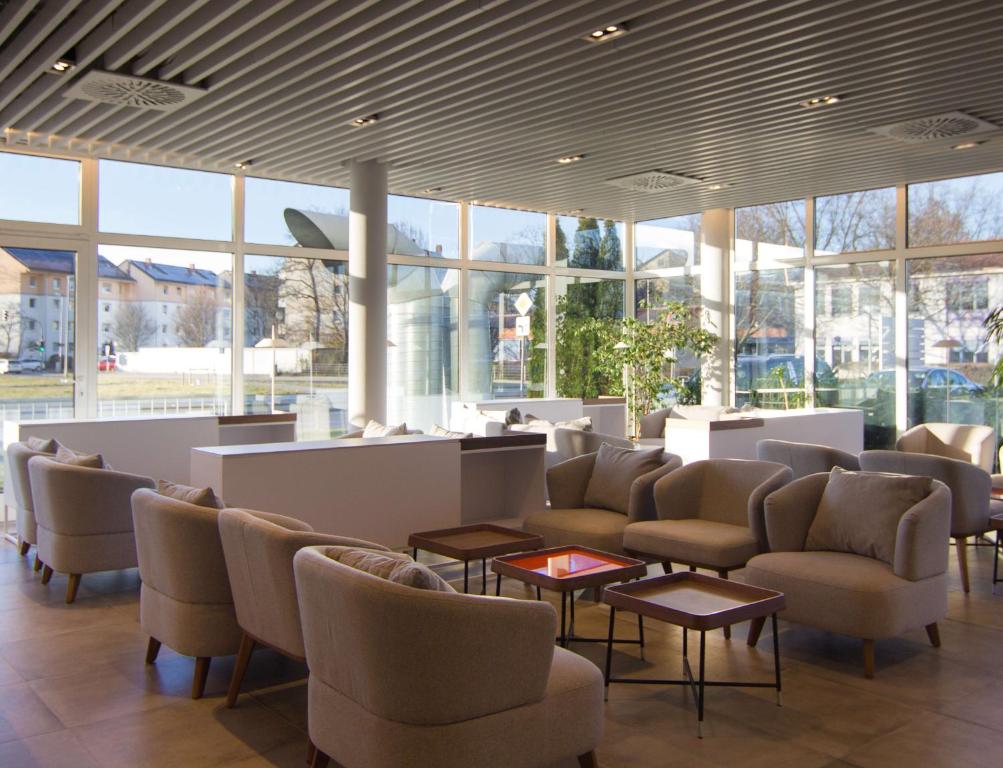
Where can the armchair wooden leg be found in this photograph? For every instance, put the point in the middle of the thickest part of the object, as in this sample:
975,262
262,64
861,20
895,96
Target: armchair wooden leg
869,659
311,752
23,547
239,668
46,574
933,632
152,649
38,563
201,673
319,759
667,566
588,760
962,544
72,585
755,629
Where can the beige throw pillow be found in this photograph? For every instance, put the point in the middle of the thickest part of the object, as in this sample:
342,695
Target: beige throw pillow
443,432
67,456
393,567
859,512
615,471
200,497
375,429
42,444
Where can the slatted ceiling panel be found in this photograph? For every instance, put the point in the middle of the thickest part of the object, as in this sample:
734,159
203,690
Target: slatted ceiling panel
480,98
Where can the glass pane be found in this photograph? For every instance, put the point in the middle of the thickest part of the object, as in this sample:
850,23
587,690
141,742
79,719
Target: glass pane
673,242
855,344
507,354
286,213
769,359
39,189
586,243
651,297
580,299
423,343
138,199
514,237
858,221
164,331
961,210
949,299
770,232
296,341
420,227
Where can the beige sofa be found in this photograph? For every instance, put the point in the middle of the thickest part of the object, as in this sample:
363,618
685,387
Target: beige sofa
84,519
185,601
852,594
805,458
258,548
974,443
18,455
403,676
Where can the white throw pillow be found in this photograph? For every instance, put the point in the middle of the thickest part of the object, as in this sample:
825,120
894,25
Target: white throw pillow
375,429
443,432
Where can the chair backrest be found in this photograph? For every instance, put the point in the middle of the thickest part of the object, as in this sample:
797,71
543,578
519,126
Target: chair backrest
577,442
805,458
974,443
18,455
969,485
653,425
81,501
179,549
417,656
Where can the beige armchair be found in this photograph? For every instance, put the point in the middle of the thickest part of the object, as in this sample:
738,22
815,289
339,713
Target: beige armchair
84,519
258,548
969,485
571,520
570,443
185,601
18,455
974,443
852,594
805,458
652,426
403,676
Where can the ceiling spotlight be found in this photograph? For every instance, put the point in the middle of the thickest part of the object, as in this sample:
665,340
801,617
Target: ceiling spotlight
570,159
609,32
362,121
968,145
820,101
431,190
576,211
719,185
243,164
62,65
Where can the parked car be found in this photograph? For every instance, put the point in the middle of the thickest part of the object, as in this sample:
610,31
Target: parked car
928,378
25,366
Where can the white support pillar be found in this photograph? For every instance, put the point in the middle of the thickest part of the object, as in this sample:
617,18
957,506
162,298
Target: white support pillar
715,269
367,293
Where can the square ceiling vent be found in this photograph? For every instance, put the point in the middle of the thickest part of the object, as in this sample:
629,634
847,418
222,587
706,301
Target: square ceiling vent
128,91
949,125
652,181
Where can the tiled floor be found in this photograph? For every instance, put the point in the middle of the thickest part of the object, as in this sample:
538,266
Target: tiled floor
74,691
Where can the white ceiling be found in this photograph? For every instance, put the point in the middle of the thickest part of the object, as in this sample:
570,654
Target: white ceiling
480,97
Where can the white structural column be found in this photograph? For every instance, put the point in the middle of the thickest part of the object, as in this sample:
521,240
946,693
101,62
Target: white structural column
715,262
367,293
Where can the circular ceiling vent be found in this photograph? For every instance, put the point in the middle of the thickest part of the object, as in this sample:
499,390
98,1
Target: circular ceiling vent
949,125
652,181
139,92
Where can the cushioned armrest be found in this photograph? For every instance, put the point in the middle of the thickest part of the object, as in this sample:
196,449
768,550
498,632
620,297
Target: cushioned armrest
642,490
757,520
912,440
677,494
289,523
789,512
920,551
567,481
314,539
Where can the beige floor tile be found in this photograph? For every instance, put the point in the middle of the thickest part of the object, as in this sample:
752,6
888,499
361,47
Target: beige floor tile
8,674
61,749
69,652
23,714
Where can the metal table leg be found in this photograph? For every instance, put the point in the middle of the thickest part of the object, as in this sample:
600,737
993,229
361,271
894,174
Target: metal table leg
498,585
776,659
466,576
564,606
484,576
609,653
700,695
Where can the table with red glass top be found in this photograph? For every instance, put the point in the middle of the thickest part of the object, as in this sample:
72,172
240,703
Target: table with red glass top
996,522
567,570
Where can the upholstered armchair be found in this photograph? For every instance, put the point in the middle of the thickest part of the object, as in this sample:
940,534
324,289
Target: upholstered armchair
258,548
84,518
591,508
570,443
853,594
18,455
805,458
185,601
969,485
652,426
974,443
405,676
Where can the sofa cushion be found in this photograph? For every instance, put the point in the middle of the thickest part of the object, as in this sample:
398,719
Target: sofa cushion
399,570
375,429
701,542
443,432
859,512
200,497
596,528
42,444
615,471
67,456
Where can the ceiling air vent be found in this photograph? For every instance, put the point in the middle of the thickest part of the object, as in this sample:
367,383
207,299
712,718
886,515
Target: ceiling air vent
652,181
949,125
127,91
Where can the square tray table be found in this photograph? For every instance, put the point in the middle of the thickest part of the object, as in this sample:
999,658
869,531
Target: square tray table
695,601
475,542
568,569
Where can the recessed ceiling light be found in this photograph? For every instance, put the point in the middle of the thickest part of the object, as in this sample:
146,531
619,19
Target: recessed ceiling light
576,211
820,101
967,145
62,65
609,32
719,185
431,190
243,164
362,121
566,160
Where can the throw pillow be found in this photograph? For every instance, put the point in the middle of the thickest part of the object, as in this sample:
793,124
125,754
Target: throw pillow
68,456
614,473
394,567
375,429
584,424
859,512
43,445
443,432
200,497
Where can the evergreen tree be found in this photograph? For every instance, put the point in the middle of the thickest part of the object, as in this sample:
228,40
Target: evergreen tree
586,255
610,249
